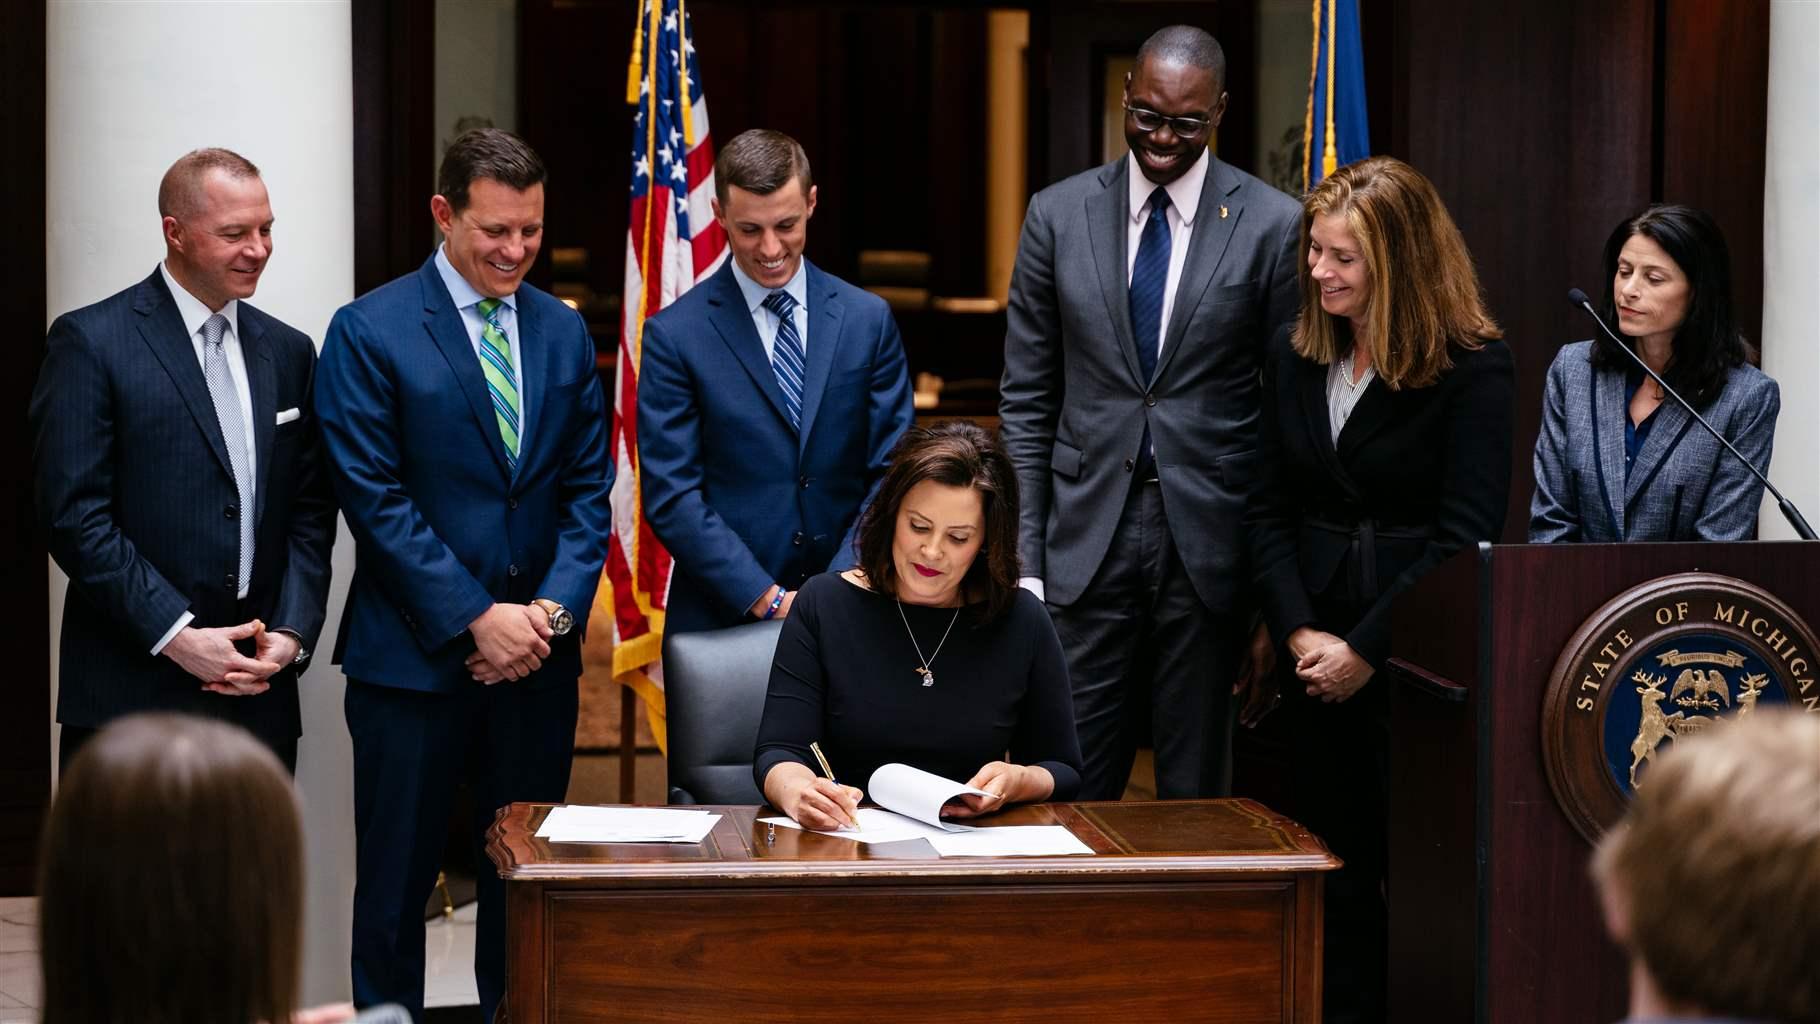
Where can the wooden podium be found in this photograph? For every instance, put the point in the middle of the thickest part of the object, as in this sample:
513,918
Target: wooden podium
1192,910
1493,915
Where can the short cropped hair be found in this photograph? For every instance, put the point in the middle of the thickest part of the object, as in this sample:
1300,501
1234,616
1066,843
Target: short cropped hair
180,190
1185,44
760,161
490,153
1422,291
171,879
958,454
1715,869
1709,342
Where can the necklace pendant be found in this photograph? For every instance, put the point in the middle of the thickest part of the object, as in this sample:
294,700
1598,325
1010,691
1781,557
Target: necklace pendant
928,676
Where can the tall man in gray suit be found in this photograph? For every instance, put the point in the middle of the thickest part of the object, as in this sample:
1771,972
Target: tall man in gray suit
1144,294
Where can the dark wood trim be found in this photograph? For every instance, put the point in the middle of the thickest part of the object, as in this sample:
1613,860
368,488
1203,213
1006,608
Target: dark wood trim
25,764
394,148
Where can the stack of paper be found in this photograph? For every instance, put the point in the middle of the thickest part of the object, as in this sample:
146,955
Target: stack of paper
875,826
626,825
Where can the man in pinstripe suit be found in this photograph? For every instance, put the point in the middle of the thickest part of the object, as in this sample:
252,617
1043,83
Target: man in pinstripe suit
179,478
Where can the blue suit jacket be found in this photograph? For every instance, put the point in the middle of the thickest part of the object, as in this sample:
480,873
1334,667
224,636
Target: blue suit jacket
1684,485
443,526
739,498
137,497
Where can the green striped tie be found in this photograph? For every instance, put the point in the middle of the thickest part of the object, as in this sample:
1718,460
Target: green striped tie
496,363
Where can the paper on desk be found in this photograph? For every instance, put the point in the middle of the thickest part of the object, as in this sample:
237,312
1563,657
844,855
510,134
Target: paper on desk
573,824
917,794
876,826
1010,841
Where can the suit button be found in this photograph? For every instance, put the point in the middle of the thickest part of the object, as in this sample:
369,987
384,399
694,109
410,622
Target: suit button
1149,399
797,540
1130,465
512,570
232,512
803,482
511,502
230,581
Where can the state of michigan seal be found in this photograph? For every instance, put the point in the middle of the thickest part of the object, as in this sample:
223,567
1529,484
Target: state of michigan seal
1660,661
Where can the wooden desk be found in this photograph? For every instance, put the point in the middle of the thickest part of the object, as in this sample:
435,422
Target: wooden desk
1196,910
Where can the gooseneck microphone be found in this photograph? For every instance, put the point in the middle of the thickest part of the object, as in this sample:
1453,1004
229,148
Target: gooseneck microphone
1789,511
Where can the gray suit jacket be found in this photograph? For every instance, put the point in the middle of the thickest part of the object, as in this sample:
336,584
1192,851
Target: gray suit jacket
1684,485
1074,406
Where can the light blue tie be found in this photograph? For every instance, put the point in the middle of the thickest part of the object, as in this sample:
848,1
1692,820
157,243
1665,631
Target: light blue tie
787,355
233,434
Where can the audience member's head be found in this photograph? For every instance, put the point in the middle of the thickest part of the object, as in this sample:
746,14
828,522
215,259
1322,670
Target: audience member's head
171,879
1712,880
944,521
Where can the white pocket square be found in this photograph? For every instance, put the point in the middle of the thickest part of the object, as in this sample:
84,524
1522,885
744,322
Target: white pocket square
287,416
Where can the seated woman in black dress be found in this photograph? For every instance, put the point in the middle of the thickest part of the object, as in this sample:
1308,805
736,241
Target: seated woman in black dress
927,653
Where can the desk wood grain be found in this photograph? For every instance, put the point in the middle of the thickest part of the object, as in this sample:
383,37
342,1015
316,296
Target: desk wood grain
1192,910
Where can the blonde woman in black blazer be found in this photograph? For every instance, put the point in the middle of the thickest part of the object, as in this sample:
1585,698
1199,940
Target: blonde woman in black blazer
1385,447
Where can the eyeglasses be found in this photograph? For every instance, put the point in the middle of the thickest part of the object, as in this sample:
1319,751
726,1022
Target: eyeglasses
1184,127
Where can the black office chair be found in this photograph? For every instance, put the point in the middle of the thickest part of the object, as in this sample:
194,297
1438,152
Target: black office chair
714,693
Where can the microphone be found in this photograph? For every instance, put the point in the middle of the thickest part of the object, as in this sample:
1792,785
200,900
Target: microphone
1789,512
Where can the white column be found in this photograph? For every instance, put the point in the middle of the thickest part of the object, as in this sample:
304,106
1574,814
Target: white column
1791,220
131,86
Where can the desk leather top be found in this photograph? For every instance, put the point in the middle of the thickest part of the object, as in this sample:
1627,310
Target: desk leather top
1131,840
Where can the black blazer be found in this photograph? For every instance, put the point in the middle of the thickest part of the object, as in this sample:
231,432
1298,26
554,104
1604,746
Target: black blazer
137,497
1417,475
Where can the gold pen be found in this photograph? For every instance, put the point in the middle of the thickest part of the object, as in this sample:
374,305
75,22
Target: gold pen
822,759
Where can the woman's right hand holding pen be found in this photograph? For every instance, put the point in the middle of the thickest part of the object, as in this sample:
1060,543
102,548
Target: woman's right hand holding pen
810,800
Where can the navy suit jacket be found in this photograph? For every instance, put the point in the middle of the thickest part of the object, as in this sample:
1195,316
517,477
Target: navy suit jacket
740,499
137,498
443,526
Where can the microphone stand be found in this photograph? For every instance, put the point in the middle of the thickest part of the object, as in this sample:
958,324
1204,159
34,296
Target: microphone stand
1789,511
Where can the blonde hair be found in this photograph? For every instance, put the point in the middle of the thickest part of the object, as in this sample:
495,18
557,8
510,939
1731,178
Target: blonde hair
1716,869
1423,294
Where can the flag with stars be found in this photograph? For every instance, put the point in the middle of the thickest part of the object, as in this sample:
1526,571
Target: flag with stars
672,242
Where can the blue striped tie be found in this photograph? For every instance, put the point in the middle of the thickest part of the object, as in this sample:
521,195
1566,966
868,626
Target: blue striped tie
787,354
1149,276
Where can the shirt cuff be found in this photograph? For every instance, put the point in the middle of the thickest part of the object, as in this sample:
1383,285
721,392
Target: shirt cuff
1034,584
170,634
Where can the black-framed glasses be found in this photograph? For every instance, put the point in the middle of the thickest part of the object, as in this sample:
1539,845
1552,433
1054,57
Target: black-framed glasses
1184,127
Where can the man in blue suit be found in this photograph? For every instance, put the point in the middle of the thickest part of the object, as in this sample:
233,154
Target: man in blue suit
180,478
467,432
769,399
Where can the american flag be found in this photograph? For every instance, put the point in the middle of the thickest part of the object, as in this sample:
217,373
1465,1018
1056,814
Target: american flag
672,242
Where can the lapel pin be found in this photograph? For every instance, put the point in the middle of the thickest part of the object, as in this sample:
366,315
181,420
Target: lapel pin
1223,212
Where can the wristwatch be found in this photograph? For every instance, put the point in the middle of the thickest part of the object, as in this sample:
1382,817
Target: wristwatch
303,653
560,619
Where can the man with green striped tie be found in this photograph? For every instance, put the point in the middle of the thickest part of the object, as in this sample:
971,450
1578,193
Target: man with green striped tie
468,436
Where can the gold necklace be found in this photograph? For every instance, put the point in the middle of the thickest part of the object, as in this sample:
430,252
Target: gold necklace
923,669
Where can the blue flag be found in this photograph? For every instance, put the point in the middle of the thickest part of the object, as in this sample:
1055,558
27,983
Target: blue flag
1335,134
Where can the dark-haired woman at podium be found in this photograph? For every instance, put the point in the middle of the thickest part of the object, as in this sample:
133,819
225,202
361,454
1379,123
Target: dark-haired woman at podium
1384,446
1617,459
927,654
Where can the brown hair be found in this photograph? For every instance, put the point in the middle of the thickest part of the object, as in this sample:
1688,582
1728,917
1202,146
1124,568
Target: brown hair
760,161
1716,869
958,454
1423,292
171,879
492,154
180,190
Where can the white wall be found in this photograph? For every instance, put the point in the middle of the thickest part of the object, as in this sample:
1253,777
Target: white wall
1791,220
131,86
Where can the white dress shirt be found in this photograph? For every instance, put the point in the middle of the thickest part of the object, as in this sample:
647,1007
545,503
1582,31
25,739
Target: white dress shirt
194,313
467,302
766,321
1184,203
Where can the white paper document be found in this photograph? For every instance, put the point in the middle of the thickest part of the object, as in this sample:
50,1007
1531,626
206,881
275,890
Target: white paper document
875,826
917,794
1010,841
573,824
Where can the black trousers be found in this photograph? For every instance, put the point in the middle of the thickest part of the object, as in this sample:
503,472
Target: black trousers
1146,656
73,737
411,749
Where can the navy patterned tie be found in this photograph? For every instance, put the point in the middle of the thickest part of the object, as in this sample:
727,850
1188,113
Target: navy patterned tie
1149,276
787,354
233,435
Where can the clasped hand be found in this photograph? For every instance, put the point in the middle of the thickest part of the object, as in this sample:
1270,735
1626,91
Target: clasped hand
1332,670
510,642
